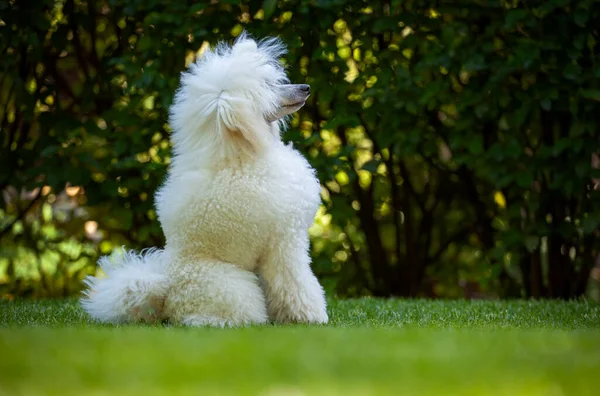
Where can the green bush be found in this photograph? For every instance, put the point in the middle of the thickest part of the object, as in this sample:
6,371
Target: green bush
454,140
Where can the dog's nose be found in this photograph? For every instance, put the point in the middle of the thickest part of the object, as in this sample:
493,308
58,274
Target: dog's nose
305,88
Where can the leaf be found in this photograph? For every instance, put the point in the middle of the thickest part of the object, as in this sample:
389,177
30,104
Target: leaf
475,63
550,5
560,146
576,146
591,223
513,16
48,151
577,129
572,71
546,104
197,7
371,165
121,218
532,242
145,44
120,147
527,52
581,17
499,199
593,94
518,117
345,119
269,7
481,110
430,92
568,187
412,108
475,144
524,179
582,168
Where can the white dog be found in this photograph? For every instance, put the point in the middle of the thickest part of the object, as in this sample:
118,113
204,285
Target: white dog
235,208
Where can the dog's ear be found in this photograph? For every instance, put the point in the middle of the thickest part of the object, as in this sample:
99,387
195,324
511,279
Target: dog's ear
240,128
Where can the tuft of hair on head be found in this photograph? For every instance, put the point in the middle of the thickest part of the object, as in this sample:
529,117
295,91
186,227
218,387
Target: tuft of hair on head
224,97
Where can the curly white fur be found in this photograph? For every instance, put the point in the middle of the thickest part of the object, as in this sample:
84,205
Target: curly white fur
235,207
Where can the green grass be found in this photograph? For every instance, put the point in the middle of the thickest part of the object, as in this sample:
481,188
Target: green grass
370,347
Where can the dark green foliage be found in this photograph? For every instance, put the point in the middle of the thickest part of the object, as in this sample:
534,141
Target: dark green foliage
455,141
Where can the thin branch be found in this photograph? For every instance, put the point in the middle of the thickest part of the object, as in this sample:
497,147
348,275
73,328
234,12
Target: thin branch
378,258
61,83
79,52
406,178
354,255
118,32
425,227
92,14
395,193
453,238
5,115
20,215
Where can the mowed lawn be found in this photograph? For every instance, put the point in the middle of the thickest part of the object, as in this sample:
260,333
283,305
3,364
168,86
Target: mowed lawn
371,347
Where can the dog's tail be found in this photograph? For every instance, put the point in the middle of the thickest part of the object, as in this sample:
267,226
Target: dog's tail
133,289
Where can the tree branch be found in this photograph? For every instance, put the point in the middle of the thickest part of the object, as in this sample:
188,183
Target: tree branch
20,215
462,233
377,256
5,115
395,193
410,187
92,14
79,51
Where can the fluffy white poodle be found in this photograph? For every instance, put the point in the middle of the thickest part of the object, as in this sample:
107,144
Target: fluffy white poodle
235,208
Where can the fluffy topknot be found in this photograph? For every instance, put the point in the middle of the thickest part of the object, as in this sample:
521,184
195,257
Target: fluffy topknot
223,102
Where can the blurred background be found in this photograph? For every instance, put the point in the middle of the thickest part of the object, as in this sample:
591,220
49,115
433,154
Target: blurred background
456,141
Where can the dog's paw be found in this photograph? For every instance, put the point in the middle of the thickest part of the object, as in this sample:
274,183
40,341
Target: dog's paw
306,319
320,318
219,322
204,321
306,315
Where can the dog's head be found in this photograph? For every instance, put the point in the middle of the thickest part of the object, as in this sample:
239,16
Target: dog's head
234,97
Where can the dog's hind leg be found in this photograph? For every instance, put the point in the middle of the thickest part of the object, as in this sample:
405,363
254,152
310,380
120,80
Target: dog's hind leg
216,294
